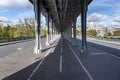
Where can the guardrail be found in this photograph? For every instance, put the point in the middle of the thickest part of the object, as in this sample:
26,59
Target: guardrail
103,39
3,40
109,39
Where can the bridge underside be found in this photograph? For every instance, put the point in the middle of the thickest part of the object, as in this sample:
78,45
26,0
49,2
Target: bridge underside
62,14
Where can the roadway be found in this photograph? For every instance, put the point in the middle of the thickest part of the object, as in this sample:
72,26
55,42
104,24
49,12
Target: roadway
65,62
13,48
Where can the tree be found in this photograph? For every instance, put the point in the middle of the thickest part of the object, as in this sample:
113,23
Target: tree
43,32
1,33
91,33
109,34
117,33
78,32
105,35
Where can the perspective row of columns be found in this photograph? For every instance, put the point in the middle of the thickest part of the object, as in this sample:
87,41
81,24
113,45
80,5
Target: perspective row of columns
37,9
50,29
68,33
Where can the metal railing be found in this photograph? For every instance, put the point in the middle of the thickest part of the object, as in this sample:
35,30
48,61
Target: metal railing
103,39
3,40
109,39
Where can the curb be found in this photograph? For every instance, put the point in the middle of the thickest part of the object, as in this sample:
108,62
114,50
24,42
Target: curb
14,42
109,42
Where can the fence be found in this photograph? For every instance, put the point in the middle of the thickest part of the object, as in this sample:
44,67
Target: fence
110,39
2,40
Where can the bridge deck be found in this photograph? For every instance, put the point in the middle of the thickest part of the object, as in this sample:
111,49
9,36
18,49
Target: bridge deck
63,61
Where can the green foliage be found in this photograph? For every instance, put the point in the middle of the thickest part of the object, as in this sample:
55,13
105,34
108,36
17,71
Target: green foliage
109,34
1,33
78,32
105,35
91,33
23,29
117,33
43,32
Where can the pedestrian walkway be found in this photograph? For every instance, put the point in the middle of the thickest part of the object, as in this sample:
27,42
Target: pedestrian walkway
63,61
17,61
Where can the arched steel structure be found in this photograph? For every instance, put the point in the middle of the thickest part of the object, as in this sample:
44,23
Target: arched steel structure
63,15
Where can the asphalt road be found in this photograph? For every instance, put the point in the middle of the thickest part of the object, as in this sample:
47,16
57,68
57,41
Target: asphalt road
65,62
59,63
12,48
110,48
105,44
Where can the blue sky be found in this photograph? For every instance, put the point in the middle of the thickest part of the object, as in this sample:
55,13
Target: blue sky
106,12
103,12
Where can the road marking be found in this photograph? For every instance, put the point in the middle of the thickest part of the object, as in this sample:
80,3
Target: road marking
61,63
88,74
61,46
110,54
61,49
39,65
19,48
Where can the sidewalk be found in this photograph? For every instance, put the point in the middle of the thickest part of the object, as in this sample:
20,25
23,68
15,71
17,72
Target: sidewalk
19,60
99,64
14,42
110,42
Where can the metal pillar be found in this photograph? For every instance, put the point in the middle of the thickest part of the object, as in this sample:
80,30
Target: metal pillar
70,32
52,32
47,30
84,5
74,31
37,10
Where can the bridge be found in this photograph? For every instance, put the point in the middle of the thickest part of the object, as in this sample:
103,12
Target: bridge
61,55
61,15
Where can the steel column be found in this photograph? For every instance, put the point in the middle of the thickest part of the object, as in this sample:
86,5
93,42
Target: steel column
84,5
52,32
37,9
70,32
74,31
47,30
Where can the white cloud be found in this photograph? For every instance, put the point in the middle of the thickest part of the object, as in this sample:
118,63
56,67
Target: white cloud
43,21
117,6
4,20
14,3
117,18
95,17
102,3
79,20
114,23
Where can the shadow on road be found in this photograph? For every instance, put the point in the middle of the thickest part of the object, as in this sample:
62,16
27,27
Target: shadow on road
26,72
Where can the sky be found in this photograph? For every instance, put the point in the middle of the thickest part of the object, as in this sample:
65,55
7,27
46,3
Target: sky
100,12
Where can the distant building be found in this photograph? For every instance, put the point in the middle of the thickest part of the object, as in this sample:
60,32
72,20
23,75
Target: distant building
112,30
101,30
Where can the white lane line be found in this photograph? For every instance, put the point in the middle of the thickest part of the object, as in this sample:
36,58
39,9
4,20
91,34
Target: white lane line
110,54
29,78
88,74
61,49
60,63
